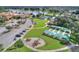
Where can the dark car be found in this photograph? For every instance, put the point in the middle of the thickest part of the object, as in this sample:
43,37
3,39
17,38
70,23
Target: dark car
21,33
18,35
24,30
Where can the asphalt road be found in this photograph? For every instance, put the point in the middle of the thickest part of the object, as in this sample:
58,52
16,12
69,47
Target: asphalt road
7,38
75,49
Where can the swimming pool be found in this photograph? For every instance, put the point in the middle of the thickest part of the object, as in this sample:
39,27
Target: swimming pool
57,33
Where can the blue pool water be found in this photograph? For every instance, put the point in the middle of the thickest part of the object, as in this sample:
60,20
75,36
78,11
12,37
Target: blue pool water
58,35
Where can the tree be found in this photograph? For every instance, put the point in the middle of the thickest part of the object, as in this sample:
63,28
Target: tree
8,27
2,9
16,17
2,21
26,8
74,38
19,44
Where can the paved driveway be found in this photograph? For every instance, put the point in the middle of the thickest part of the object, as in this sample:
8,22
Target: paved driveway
75,49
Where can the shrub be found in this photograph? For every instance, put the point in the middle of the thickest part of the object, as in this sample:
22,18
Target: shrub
1,47
19,44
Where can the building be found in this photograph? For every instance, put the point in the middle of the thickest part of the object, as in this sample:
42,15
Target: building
9,15
77,17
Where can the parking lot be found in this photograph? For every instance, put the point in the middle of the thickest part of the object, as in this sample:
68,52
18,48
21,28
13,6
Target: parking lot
7,38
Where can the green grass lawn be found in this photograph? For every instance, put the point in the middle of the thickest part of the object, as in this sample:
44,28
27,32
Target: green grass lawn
16,48
22,49
50,14
51,43
39,23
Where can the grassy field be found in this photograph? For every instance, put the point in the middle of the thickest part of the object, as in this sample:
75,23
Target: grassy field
39,23
22,49
51,43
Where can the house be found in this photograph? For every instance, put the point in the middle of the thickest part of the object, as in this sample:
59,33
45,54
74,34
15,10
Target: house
45,17
54,20
10,15
35,13
77,17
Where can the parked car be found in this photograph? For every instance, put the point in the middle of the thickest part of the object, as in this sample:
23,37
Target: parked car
24,30
18,35
21,33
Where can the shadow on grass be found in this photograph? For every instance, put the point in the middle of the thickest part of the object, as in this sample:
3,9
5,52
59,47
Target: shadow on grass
60,41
